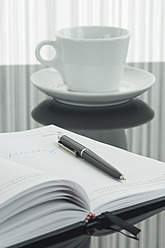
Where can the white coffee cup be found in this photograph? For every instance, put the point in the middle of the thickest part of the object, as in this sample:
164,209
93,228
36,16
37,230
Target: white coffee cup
89,59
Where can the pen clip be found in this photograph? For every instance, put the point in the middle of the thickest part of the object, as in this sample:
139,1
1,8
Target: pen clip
73,152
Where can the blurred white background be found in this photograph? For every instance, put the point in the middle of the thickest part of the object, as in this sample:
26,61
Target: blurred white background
24,23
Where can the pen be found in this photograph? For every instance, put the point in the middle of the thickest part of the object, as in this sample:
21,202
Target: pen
81,151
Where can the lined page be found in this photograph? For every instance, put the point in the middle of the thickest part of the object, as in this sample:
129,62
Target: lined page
16,178
145,178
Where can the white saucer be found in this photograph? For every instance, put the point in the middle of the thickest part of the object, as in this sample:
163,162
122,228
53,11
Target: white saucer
134,82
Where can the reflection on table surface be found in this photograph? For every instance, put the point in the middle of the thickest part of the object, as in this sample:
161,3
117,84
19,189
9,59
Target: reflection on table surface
106,124
134,113
78,242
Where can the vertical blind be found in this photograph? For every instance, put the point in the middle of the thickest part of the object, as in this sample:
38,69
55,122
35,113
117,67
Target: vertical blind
24,23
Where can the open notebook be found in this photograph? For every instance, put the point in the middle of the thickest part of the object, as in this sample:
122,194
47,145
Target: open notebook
44,188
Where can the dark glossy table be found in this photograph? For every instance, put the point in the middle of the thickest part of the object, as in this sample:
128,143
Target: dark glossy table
137,126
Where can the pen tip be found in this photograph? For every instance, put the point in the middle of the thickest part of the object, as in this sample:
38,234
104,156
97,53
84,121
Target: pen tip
122,177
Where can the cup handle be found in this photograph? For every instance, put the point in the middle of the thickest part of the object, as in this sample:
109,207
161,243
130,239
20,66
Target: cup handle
55,62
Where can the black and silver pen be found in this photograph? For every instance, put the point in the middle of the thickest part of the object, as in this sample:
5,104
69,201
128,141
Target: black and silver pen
85,153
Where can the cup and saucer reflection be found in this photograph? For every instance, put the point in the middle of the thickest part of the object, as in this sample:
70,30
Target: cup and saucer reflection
106,124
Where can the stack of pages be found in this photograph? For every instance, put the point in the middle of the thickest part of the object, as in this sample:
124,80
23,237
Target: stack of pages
44,188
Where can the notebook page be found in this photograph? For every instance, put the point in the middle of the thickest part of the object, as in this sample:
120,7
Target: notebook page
38,149
16,178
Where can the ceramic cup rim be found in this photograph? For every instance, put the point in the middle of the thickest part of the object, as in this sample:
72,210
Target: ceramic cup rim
125,35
